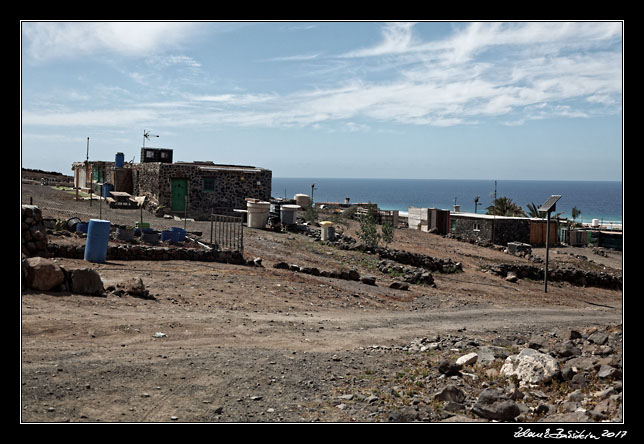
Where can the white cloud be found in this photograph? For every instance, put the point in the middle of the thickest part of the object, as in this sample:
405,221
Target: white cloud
521,71
50,40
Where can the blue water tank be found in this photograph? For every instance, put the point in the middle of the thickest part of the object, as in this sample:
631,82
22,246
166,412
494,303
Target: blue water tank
81,227
107,187
168,235
119,160
98,236
180,234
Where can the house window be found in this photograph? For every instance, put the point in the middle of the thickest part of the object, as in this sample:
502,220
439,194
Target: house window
453,225
477,226
208,184
149,154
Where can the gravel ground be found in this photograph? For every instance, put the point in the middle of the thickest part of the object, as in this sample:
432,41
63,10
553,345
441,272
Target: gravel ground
230,343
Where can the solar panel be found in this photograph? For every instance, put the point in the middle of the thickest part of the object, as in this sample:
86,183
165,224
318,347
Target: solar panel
550,204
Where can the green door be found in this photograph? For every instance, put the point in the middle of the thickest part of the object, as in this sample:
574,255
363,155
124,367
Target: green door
179,187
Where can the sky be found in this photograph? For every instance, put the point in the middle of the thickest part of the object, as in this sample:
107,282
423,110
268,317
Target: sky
363,99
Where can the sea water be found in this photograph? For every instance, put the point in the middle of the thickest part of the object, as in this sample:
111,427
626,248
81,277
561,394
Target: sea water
595,199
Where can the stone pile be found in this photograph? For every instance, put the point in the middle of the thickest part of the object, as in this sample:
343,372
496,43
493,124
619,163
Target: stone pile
569,375
419,260
34,233
43,274
412,275
347,275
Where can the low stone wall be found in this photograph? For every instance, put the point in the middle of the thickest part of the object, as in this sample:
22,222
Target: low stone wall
419,260
34,233
145,253
570,275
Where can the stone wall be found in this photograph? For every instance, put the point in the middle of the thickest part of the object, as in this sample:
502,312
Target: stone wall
34,234
572,276
145,253
232,186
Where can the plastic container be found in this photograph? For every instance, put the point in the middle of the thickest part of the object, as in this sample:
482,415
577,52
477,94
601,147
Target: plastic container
107,187
142,225
150,237
124,234
71,223
180,234
119,160
82,227
288,214
326,227
302,200
257,214
168,235
98,236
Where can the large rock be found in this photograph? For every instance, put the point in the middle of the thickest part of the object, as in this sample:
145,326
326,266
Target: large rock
496,405
43,274
467,359
531,367
135,287
450,393
85,281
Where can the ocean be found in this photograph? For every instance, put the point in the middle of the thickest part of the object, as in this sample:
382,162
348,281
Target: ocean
595,199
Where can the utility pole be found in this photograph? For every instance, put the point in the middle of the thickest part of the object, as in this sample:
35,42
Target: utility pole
548,207
91,184
494,213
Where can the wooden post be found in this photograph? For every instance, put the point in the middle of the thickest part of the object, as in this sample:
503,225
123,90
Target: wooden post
211,224
185,211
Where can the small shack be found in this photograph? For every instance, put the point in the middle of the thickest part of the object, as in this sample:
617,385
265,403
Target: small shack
502,229
428,219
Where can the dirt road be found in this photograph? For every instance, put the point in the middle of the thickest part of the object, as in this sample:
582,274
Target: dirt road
230,343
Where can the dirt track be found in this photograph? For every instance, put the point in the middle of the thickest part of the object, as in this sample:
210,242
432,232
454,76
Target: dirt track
248,344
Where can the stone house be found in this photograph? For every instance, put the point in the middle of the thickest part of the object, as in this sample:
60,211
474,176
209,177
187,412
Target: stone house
204,187
501,229
193,188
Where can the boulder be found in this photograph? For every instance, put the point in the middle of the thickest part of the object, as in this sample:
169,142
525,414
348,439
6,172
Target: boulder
467,359
85,281
399,285
450,393
369,280
134,287
531,367
43,274
494,404
281,265
449,368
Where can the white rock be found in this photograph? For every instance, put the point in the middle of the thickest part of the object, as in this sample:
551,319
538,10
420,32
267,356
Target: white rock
467,359
531,367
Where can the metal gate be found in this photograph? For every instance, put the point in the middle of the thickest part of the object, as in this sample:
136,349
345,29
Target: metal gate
226,232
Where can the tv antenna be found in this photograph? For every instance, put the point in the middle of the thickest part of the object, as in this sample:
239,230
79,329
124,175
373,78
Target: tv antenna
147,135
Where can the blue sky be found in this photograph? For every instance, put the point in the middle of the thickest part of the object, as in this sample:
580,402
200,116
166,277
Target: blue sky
436,100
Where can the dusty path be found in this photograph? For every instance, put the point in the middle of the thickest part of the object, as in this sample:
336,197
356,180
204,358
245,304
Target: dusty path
246,344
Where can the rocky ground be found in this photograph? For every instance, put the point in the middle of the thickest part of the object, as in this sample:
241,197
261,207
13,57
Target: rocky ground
216,342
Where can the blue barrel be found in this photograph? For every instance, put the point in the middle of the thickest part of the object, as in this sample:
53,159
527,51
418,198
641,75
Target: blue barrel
168,235
119,160
107,187
180,234
98,236
82,227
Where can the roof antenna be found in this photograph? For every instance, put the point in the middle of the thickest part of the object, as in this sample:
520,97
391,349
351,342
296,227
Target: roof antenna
147,135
